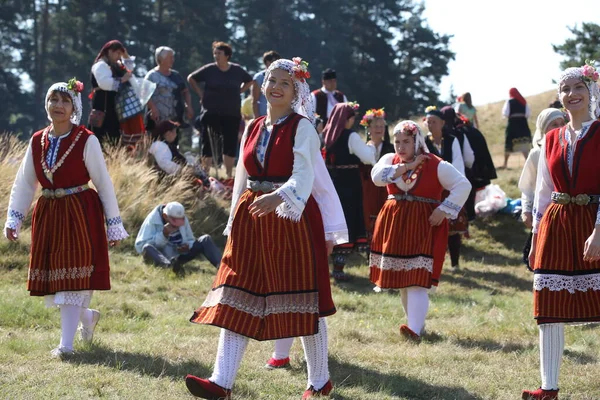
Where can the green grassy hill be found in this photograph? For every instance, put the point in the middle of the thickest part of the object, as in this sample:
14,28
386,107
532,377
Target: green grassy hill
481,340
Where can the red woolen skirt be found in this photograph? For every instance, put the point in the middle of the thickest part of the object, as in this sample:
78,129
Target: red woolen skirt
566,288
274,279
406,249
69,249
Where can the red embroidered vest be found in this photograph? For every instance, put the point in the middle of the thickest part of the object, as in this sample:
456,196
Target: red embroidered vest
585,178
73,171
428,184
279,157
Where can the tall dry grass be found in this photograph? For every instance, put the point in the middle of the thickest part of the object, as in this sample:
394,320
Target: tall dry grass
139,189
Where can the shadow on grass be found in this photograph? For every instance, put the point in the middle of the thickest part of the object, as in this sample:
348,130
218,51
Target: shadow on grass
493,346
469,253
504,229
357,283
142,364
579,357
493,280
345,375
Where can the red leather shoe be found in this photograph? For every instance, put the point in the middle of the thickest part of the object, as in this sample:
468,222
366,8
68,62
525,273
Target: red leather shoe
311,392
274,363
540,394
409,334
206,389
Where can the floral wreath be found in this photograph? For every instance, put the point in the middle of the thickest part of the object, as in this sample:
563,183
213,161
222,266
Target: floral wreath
73,88
590,74
300,69
75,85
370,115
353,105
407,127
430,109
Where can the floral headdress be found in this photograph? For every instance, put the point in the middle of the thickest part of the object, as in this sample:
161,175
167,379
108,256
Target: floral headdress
297,68
370,115
300,69
588,75
432,110
410,128
73,88
354,105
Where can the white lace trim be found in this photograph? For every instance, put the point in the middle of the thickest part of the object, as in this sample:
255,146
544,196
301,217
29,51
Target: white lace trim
80,298
288,209
450,208
60,274
12,223
116,232
401,264
555,283
261,306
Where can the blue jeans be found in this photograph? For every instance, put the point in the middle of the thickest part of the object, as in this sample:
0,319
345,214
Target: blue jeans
204,245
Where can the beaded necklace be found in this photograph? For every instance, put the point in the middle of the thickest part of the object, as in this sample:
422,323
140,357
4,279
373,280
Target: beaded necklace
412,176
49,172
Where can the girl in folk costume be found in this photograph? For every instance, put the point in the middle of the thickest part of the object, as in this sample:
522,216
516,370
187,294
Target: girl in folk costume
379,138
415,180
123,117
446,146
345,151
548,120
518,135
565,251
69,249
285,216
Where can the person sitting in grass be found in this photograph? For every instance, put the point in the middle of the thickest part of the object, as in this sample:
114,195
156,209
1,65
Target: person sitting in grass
166,239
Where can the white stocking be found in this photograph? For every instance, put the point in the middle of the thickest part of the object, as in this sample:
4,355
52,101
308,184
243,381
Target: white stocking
315,351
229,356
404,298
552,345
417,305
86,317
69,320
282,348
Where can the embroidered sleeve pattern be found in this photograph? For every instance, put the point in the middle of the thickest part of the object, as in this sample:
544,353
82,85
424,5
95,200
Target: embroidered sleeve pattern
450,208
15,220
388,174
288,208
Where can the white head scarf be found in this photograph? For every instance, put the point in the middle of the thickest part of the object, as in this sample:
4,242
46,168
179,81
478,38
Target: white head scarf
583,73
302,102
73,88
543,120
410,128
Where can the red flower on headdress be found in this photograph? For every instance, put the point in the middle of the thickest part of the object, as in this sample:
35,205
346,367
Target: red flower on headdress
75,85
300,69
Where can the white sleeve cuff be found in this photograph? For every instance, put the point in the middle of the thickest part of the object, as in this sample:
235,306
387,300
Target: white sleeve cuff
116,232
289,209
14,220
338,237
450,208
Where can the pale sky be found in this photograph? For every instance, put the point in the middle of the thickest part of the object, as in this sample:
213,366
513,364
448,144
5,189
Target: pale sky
504,44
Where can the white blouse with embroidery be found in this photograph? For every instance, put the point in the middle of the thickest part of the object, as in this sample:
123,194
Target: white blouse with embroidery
449,177
544,186
362,150
309,176
164,157
26,184
528,179
104,76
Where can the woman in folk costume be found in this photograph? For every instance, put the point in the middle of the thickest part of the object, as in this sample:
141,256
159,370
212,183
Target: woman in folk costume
518,135
345,151
447,146
565,251
415,180
285,217
69,249
123,118
548,120
379,137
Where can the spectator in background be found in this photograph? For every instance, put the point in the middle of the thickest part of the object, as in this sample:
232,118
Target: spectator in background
171,99
328,96
465,107
259,101
518,135
220,100
166,239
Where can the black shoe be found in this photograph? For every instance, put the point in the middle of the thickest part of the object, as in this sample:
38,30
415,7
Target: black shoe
178,268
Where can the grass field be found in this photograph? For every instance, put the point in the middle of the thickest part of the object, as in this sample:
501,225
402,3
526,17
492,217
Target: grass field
481,340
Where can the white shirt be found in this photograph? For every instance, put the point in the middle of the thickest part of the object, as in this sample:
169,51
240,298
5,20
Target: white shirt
330,105
528,179
457,158
544,185
26,183
506,110
449,177
309,177
467,153
104,76
365,152
163,157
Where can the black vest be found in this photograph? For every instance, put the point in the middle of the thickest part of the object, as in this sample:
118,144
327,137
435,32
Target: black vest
516,107
339,153
446,147
321,106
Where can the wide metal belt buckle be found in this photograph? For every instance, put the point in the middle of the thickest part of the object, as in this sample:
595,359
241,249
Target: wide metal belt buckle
409,197
264,187
563,198
581,199
58,193
47,193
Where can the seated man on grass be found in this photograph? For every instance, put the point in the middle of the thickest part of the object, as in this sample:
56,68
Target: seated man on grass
166,239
